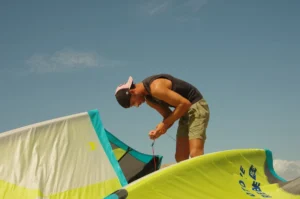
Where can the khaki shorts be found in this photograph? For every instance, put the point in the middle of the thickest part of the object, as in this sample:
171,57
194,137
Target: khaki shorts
194,123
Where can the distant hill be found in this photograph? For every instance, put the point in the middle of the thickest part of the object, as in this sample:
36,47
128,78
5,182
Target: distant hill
287,169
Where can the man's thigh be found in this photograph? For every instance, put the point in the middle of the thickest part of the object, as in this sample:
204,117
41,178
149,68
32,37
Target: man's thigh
198,116
183,127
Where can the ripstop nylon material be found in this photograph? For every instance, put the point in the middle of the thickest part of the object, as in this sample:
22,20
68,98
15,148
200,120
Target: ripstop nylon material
227,174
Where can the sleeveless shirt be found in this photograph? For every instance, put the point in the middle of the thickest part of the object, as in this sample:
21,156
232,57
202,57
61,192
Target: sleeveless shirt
179,86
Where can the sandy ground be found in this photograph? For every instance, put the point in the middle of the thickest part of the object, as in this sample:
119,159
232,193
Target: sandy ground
166,165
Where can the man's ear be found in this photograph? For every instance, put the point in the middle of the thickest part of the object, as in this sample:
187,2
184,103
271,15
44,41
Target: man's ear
131,91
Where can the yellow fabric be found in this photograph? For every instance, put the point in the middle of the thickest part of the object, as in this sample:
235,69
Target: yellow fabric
119,153
212,176
92,191
11,191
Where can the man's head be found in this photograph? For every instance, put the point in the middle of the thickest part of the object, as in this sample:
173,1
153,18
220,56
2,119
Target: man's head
129,94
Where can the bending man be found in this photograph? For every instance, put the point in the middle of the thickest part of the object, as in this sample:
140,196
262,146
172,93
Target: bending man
162,92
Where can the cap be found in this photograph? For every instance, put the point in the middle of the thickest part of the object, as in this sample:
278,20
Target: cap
122,93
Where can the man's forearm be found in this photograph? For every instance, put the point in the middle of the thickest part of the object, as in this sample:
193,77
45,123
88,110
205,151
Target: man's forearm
178,112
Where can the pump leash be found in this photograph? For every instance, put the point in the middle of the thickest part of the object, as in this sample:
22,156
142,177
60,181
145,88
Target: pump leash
152,145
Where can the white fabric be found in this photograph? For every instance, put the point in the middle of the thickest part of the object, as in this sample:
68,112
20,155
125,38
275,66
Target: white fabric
55,155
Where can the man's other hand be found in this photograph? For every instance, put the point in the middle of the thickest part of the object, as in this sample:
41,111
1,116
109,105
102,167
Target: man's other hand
161,128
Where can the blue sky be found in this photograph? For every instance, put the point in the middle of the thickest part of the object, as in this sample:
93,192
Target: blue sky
63,57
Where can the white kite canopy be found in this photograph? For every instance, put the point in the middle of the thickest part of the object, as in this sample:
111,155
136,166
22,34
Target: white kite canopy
68,157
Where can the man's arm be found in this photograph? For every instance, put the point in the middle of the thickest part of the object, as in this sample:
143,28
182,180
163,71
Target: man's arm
164,111
162,92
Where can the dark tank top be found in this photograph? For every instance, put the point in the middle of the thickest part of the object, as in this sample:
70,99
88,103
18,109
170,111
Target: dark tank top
179,86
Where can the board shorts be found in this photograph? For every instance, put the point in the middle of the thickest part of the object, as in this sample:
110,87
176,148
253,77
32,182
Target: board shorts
194,123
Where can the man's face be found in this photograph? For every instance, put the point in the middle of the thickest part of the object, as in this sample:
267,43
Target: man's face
136,99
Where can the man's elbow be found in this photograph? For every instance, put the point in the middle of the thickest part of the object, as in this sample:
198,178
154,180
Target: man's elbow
187,104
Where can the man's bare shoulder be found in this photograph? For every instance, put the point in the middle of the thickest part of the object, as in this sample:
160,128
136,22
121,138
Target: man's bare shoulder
160,85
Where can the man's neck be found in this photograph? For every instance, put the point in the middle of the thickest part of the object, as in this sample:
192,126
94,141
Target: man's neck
140,87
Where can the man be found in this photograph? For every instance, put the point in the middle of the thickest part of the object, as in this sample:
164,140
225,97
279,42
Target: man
162,92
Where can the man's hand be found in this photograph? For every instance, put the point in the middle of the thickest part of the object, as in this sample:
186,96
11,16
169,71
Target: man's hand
161,128
154,134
